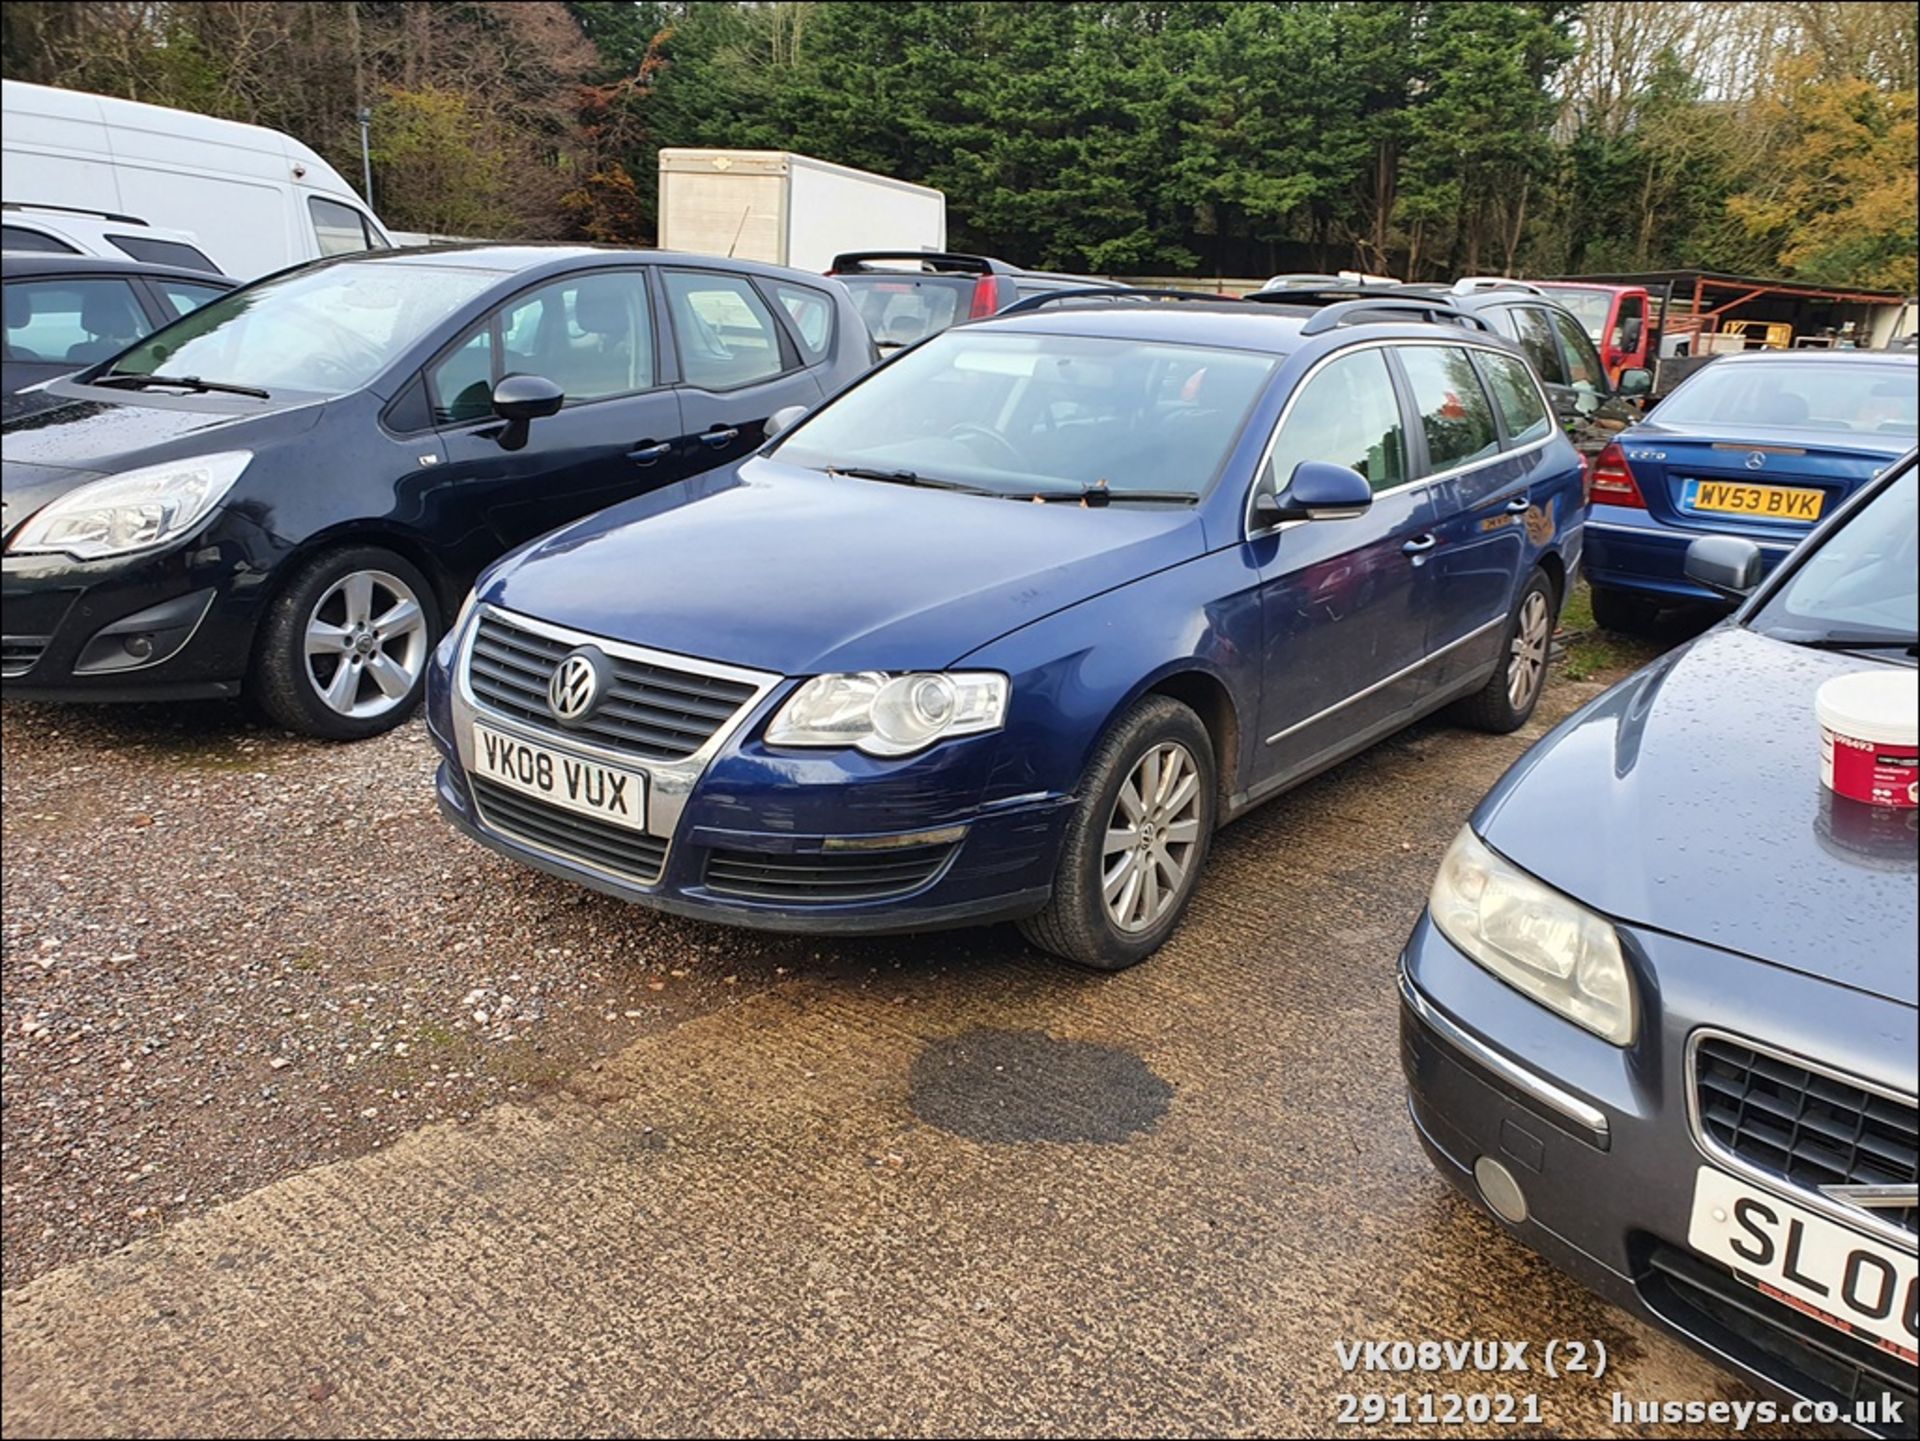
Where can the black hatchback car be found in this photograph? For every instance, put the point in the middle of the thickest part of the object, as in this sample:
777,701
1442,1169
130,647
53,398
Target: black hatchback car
64,312
288,491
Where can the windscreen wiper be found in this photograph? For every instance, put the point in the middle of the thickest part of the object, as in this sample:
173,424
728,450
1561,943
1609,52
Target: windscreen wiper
1843,641
906,477
183,382
1094,496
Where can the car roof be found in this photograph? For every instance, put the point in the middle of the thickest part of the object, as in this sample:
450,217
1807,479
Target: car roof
17,264
513,258
1228,324
1823,355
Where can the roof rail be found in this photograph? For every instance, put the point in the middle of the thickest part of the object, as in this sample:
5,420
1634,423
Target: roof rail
1468,284
855,262
1351,311
74,210
1113,295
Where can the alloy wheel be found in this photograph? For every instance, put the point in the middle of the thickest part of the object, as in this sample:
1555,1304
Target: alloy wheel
1531,640
366,643
1147,857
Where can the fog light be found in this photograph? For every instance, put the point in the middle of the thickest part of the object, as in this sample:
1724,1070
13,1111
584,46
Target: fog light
1500,1190
139,646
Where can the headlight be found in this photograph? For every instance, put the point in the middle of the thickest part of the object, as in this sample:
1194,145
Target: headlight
135,510
890,715
1533,938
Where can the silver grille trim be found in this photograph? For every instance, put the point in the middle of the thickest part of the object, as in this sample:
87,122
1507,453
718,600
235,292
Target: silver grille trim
669,781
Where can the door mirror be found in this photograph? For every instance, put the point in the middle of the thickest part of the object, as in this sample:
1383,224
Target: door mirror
783,420
1317,490
1724,564
1630,329
1635,380
518,399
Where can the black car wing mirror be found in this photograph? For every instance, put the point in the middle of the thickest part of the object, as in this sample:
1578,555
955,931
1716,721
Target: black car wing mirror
1635,381
1317,490
1724,564
519,399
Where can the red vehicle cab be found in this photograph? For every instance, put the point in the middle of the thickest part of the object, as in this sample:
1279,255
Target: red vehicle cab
1618,317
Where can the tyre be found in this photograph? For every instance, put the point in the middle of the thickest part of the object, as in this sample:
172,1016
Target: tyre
342,653
1137,842
1507,699
1616,610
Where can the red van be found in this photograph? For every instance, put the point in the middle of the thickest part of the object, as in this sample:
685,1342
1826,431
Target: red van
1618,317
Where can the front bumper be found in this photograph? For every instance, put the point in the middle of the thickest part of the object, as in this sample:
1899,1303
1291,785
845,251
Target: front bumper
819,842
69,624
1600,1142
1628,550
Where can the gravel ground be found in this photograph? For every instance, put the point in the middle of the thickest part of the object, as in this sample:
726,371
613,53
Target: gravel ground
230,954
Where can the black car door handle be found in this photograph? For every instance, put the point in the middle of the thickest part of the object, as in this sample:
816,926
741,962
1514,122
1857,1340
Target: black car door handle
647,454
1519,505
1420,544
720,437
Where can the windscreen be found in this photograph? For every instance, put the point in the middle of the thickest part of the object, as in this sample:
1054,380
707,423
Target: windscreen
1863,580
1021,413
1812,394
324,330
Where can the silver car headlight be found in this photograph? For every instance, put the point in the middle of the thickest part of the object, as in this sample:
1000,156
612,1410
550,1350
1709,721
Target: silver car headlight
1533,938
135,510
890,715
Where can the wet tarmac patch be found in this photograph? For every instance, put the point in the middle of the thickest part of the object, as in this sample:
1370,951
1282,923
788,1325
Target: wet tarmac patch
1001,1085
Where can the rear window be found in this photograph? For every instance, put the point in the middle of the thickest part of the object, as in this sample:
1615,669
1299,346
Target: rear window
1454,410
811,312
1815,395
901,309
164,252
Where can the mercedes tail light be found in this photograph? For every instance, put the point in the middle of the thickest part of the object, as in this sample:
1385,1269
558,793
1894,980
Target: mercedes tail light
1611,481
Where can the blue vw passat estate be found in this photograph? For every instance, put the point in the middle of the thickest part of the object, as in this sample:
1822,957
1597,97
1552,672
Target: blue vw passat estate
1007,629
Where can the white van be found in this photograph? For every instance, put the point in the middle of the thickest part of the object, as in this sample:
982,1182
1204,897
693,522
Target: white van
254,200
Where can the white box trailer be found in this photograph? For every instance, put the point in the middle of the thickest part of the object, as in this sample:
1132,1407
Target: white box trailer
788,209
254,199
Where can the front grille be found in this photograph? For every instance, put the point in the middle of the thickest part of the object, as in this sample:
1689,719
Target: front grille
625,853
1707,1301
824,878
18,653
657,712
1804,1126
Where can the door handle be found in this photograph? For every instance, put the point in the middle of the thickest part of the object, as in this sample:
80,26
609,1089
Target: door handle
648,454
719,438
1519,505
1420,544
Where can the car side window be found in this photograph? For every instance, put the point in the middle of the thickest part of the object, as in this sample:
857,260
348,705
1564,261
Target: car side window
460,383
812,314
164,252
19,237
74,322
1583,361
184,295
1346,414
591,335
726,335
340,229
1454,410
1518,398
1535,335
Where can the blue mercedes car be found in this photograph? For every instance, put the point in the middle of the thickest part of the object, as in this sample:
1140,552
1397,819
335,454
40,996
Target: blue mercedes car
1007,629
1659,1016
1759,445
